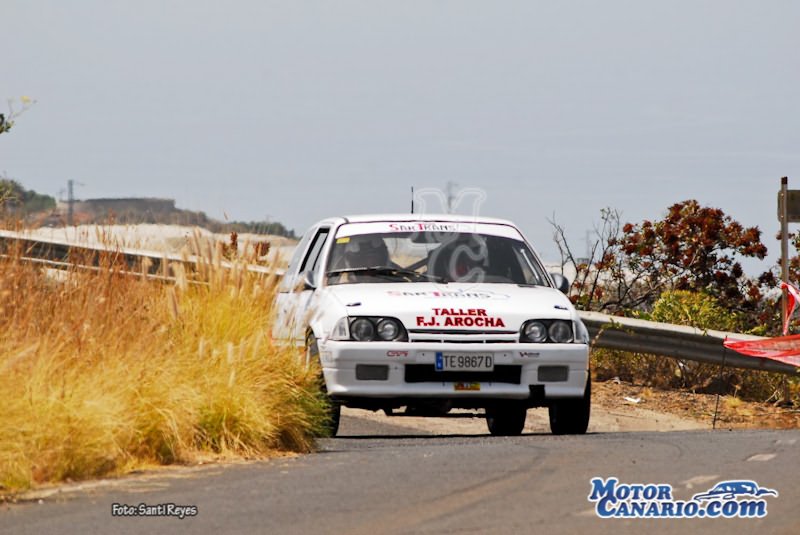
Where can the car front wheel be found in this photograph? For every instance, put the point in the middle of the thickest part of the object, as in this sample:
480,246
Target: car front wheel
571,416
506,419
334,408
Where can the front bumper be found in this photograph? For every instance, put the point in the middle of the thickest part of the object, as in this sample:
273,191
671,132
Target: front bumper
340,360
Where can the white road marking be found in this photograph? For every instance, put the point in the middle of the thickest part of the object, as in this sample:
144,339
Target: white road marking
698,480
762,457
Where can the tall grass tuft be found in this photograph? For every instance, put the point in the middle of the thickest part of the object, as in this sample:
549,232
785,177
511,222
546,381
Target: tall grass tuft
101,371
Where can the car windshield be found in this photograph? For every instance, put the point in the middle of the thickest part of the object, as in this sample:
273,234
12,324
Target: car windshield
432,257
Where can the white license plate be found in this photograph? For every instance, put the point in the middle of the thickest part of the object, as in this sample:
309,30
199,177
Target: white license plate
447,362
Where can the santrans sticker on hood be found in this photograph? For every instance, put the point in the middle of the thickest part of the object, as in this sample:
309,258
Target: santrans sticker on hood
448,294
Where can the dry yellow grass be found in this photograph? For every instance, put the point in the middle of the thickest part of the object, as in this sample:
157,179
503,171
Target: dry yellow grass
102,372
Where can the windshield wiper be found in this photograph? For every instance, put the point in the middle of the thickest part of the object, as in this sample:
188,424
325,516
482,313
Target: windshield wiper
386,271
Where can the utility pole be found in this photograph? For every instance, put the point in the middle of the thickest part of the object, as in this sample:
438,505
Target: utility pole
451,195
588,246
70,200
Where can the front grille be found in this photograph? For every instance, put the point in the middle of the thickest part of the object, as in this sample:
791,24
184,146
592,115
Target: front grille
461,341
426,373
468,332
463,336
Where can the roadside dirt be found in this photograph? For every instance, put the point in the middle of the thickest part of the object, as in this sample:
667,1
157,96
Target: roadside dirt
621,407
732,413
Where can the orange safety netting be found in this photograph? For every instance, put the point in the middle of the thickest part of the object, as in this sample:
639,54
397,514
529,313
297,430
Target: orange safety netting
784,349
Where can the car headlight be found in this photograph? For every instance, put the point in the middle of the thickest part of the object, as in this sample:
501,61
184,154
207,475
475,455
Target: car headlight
388,329
362,330
340,330
546,330
581,332
371,328
535,331
560,332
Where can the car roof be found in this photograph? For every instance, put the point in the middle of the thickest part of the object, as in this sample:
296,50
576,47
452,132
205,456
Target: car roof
372,218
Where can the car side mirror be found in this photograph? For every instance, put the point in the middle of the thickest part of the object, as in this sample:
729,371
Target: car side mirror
561,282
308,281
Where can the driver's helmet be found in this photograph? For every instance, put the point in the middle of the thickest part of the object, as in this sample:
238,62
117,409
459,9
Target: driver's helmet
463,259
368,250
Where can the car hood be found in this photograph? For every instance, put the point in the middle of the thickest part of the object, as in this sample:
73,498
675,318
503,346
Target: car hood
421,305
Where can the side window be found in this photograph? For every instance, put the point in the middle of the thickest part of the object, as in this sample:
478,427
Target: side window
288,280
314,252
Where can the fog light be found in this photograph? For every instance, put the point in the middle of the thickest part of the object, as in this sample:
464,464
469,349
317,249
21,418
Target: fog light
372,372
553,374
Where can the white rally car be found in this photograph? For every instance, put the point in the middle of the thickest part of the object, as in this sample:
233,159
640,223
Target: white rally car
436,312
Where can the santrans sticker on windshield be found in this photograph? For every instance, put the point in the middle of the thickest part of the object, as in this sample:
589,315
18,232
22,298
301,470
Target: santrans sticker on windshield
447,294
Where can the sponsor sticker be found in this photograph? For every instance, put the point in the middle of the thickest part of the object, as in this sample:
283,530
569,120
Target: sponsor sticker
461,387
460,317
447,294
428,227
726,499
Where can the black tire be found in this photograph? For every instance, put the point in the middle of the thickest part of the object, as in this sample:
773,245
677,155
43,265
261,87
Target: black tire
506,419
334,412
571,416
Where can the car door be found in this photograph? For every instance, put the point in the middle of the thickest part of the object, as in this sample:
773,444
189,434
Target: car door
286,300
299,298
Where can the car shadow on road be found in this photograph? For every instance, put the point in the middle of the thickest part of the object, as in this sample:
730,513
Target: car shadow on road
430,436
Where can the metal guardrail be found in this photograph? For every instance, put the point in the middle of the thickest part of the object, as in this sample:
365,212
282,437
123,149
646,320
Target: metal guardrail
678,341
60,255
608,332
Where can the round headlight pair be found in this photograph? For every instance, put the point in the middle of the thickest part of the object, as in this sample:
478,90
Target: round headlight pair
363,330
537,332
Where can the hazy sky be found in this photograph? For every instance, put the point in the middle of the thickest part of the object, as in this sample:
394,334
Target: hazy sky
298,110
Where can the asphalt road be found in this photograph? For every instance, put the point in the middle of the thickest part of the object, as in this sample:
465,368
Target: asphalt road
382,478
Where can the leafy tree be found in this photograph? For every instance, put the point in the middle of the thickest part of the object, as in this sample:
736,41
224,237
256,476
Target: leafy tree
7,121
15,196
692,248
11,190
